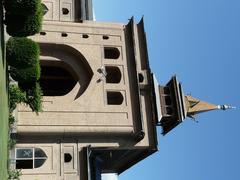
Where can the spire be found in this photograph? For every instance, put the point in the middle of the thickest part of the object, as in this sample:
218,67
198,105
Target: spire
196,106
173,107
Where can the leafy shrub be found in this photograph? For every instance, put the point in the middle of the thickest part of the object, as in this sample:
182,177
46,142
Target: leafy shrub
34,97
11,119
14,174
11,143
23,7
16,96
26,75
24,25
22,52
28,93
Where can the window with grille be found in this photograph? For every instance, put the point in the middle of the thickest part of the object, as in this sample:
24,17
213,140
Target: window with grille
29,158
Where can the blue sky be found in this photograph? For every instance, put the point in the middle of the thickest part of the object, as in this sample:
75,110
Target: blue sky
199,41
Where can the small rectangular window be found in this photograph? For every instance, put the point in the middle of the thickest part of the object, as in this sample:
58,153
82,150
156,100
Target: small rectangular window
24,164
24,153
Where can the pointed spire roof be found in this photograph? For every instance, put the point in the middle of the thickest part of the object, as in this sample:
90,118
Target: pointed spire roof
195,106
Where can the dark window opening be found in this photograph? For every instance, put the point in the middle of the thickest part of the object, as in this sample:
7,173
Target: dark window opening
169,110
56,81
43,33
140,77
114,74
38,162
65,11
105,37
64,34
111,53
114,98
39,153
45,9
24,164
166,90
168,100
85,36
67,157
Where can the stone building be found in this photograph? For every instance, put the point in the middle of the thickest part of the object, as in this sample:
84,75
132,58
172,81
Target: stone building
101,102
98,112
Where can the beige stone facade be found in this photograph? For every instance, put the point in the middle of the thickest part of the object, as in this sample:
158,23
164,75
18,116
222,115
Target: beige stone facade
101,103
68,10
98,106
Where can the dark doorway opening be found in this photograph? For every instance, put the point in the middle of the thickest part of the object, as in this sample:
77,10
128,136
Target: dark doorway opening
56,81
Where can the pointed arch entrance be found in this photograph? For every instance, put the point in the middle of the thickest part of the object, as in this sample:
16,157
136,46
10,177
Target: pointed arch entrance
62,68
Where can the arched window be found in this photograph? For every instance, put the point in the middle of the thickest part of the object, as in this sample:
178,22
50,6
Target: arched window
65,11
111,53
114,74
56,80
67,66
114,98
67,157
30,158
45,9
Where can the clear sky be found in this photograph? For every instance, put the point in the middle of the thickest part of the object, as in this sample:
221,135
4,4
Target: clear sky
199,40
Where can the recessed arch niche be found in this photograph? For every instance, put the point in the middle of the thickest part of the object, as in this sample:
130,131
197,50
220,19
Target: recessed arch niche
59,61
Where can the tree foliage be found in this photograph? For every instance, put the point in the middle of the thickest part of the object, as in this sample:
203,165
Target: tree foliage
22,52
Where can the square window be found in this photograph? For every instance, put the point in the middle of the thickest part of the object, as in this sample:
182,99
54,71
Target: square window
24,153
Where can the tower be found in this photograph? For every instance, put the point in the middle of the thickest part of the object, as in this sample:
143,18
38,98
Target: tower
174,107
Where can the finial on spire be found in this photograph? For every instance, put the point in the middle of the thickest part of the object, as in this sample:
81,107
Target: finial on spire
225,107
